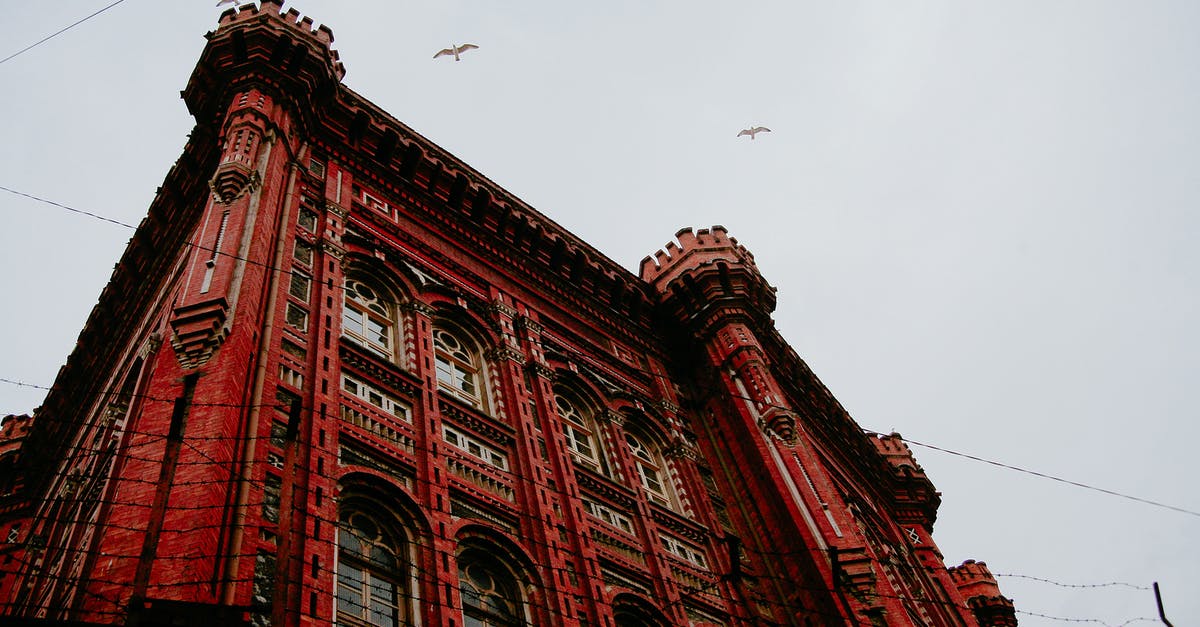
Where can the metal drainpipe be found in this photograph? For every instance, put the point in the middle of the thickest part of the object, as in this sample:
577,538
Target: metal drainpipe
229,585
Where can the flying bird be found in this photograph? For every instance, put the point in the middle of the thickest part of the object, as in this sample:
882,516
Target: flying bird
455,50
236,3
753,130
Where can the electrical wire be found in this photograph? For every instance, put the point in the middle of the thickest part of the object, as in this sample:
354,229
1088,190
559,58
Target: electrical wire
864,430
57,33
972,457
194,528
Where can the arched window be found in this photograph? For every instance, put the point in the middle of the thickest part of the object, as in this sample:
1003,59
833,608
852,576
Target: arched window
459,366
650,469
367,319
579,431
634,612
371,573
490,591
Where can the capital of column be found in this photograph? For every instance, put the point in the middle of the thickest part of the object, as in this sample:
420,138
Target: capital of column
417,307
681,449
497,307
526,323
333,250
541,370
336,210
615,418
505,352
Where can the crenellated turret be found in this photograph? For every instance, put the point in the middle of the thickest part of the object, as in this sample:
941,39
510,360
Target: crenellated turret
978,586
916,500
708,277
278,52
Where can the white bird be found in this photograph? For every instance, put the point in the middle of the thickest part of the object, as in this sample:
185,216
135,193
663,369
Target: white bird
455,50
236,3
753,130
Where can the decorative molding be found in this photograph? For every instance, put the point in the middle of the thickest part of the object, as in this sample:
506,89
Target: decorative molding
505,352
497,307
332,207
199,330
681,449
333,250
541,370
475,423
418,307
533,327
614,418
151,345
233,181
665,406
780,423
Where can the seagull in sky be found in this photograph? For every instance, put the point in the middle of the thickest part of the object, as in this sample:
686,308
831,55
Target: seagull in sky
455,50
236,3
753,130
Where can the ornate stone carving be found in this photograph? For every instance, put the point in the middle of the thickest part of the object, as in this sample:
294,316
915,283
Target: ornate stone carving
681,449
780,423
614,418
526,323
333,250
232,181
497,307
541,370
151,345
199,330
417,307
505,352
337,211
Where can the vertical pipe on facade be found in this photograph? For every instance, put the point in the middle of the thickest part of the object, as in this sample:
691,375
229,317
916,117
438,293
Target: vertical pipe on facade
260,376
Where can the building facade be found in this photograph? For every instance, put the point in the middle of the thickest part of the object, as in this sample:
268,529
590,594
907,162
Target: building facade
338,376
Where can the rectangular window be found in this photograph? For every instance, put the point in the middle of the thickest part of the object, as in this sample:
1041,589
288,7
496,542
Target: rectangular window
299,286
302,251
316,167
308,218
272,487
278,434
297,317
264,588
294,350
683,550
607,515
376,397
475,447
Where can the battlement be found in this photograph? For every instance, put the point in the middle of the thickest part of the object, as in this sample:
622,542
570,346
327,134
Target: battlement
693,249
972,573
322,34
978,587
896,452
14,427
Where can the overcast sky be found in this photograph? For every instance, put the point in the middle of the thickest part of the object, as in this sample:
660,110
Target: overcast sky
981,217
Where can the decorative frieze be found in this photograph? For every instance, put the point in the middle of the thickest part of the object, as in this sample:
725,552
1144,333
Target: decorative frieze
336,210
541,370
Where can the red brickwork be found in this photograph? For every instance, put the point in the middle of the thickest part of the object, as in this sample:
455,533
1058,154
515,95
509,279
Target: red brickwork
340,373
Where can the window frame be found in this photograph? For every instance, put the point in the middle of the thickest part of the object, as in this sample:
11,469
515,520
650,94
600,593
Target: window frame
579,431
507,588
451,369
361,310
370,572
646,460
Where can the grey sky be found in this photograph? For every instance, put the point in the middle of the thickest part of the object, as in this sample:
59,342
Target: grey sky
980,216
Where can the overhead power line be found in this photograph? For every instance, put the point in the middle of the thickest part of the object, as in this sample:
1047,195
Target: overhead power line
58,32
1046,476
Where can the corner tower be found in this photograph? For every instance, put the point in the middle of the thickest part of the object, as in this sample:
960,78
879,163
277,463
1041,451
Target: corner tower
844,519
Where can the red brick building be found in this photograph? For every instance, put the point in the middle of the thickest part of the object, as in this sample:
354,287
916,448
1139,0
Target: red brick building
339,376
